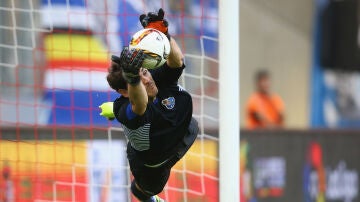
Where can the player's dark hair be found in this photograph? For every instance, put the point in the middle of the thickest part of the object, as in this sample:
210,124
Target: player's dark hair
115,77
261,74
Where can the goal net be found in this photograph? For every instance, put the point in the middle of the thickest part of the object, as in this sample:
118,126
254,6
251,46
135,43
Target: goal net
54,54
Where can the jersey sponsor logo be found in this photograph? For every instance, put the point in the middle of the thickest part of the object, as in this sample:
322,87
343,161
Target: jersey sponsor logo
169,102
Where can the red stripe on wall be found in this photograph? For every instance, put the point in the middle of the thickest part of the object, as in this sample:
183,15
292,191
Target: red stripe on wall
78,65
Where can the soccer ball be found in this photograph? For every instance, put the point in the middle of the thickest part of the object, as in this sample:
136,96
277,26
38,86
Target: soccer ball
155,45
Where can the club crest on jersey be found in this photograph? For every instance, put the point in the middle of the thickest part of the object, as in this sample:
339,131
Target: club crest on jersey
169,102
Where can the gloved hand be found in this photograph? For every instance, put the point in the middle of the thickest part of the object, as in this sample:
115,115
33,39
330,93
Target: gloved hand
130,61
155,21
107,110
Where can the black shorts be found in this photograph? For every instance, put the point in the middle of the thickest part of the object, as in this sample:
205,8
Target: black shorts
153,179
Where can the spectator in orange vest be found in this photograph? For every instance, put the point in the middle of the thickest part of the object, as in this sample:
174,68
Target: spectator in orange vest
264,109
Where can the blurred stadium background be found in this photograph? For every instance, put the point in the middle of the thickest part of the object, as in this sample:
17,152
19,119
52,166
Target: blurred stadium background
54,146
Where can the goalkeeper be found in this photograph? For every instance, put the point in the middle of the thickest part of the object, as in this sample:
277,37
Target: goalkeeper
155,113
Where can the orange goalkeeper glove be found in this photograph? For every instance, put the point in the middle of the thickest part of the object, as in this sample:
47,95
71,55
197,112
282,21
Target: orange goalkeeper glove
155,21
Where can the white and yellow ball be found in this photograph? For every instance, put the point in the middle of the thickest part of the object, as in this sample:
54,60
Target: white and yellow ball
155,45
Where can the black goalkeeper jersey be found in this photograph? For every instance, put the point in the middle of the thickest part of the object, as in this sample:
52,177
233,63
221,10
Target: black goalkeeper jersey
166,122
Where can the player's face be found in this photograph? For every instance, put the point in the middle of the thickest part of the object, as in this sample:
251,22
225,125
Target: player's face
148,82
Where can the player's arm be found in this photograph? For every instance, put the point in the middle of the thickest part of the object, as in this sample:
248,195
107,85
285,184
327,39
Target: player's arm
130,61
156,21
176,58
170,72
138,98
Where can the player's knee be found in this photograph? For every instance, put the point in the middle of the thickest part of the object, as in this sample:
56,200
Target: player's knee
155,189
145,192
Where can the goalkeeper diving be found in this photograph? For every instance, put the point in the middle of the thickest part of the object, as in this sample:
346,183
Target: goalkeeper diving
154,111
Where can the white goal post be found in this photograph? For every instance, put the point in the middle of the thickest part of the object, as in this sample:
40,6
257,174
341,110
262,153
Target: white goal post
229,138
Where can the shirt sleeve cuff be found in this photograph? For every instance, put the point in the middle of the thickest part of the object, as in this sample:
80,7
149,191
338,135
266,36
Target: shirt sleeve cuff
175,68
129,112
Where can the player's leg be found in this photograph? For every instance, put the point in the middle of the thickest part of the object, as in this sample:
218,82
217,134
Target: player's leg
151,181
148,181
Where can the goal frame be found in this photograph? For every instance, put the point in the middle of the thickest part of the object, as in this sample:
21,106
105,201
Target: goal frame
229,100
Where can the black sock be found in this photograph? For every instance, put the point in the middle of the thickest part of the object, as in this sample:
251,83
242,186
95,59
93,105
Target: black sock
139,194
